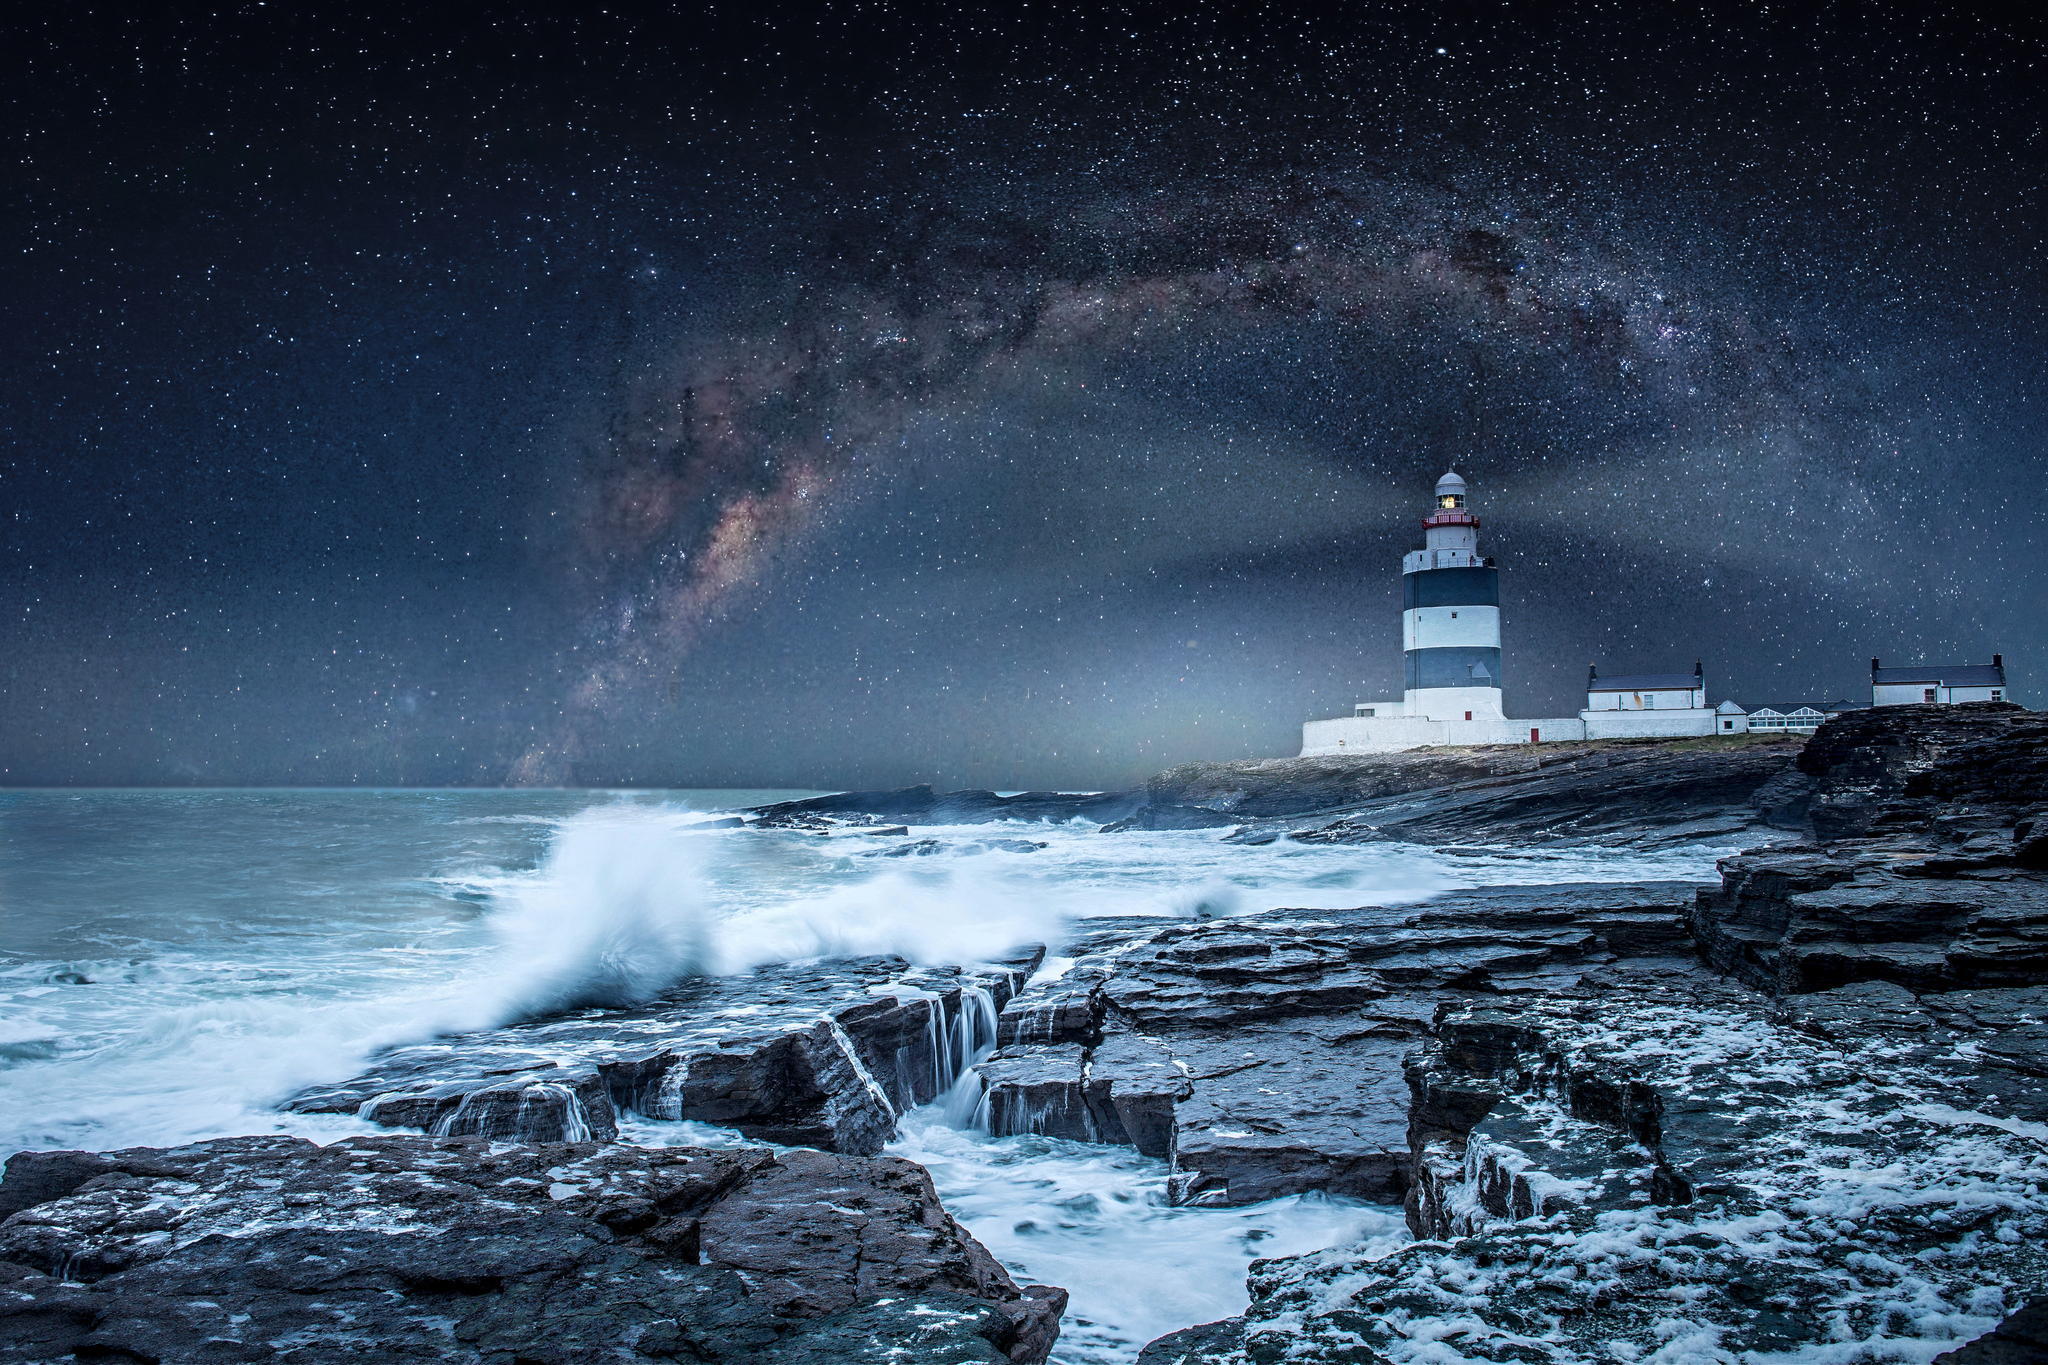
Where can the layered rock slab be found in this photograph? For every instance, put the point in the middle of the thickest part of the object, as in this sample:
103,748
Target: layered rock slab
396,1248
822,1055
1837,1151
1925,865
1264,1057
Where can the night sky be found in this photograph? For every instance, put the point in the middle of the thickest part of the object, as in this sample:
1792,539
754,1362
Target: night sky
1020,395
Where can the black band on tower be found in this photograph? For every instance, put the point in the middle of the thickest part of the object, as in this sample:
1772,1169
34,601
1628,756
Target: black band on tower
1450,588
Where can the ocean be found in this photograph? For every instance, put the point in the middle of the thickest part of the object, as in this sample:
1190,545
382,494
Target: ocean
174,963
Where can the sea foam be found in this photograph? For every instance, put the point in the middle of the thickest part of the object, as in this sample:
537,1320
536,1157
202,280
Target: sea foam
622,910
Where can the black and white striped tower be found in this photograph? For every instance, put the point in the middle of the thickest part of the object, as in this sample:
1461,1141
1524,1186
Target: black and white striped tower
1450,618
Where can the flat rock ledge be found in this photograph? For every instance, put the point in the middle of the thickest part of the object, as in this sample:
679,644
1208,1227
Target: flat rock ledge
818,1055
1264,1056
460,1250
1633,1169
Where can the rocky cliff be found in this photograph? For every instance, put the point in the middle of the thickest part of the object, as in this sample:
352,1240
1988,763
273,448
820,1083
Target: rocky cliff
1929,832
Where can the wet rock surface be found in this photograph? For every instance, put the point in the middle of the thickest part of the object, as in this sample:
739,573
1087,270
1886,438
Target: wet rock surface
1810,1124
410,1248
1800,1114
1264,1056
1640,1165
821,1055
1923,869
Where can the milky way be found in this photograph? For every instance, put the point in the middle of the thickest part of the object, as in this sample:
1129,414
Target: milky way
717,467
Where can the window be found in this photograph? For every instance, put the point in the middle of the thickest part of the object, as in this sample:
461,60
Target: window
1927,694
1468,715
1727,725
1997,695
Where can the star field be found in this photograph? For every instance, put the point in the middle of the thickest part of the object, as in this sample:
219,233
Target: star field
1022,395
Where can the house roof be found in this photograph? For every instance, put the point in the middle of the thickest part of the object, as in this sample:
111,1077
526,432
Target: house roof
1786,708
1646,682
1948,675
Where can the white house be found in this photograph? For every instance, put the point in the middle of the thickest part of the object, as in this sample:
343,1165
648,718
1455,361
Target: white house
1647,704
1647,691
1941,684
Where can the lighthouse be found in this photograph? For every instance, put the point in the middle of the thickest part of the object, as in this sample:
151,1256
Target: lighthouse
1450,616
1450,649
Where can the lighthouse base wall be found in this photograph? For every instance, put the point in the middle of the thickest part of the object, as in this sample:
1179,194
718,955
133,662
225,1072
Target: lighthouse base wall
1384,734
1393,734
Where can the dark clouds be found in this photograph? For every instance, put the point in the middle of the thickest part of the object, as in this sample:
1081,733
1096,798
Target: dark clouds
874,398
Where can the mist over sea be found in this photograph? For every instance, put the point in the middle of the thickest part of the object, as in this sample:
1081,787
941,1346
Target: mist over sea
173,964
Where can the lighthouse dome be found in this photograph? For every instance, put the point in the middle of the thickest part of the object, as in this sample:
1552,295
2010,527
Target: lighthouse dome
1450,483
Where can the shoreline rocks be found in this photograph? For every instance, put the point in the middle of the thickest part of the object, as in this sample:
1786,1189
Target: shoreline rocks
1648,793
1628,793
1824,1124
1922,867
387,1248
921,805
819,1054
1264,1056
1640,1165
1804,1109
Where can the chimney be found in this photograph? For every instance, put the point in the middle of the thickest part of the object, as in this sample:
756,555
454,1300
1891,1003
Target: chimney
1998,661
1873,665
1698,669
1592,675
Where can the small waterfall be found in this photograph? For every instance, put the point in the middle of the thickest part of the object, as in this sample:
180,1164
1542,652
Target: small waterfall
667,1100
543,1112
455,1122
972,1037
561,1102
